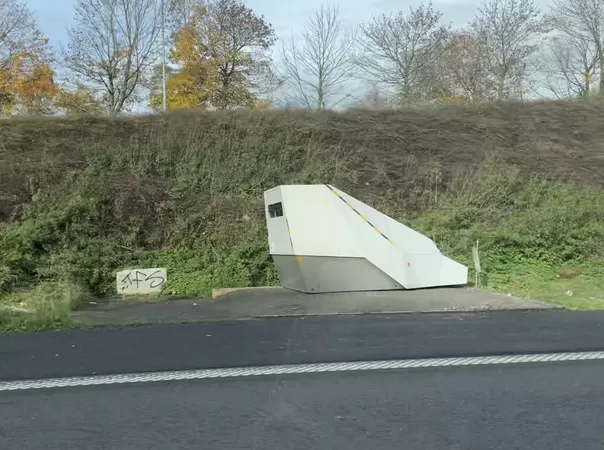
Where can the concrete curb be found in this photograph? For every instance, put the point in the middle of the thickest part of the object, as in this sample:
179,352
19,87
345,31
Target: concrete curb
144,322
406,313
216,293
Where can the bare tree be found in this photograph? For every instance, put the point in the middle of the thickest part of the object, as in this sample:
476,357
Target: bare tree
18,30
112,47
265,82
398,48
509,30
582,21
465,67
316,70
180,11
569,64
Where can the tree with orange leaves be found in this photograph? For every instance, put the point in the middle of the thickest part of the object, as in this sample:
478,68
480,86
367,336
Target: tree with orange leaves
79,100
221,58
26,76
193,85
28,81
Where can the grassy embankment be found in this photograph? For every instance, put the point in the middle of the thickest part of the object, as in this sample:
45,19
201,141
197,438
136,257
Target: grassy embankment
82,198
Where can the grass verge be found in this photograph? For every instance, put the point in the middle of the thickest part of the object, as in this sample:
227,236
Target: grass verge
583,291
43,307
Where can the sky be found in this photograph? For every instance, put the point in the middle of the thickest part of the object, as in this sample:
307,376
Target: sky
287,17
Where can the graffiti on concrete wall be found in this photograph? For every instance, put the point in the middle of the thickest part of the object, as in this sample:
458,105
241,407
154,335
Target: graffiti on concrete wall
141,281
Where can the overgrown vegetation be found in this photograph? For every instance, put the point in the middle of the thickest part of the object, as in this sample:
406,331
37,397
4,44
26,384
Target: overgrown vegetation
82,198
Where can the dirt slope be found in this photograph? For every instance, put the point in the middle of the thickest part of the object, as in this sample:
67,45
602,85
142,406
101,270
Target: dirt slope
406,151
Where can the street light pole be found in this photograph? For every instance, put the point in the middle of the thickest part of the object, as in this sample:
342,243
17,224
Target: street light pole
163,51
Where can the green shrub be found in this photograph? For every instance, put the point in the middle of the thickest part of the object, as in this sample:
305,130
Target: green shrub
544,226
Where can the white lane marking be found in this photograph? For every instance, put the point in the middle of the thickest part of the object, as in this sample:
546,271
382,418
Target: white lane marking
148,377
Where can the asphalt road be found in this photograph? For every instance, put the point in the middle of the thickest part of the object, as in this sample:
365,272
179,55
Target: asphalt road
522,406
491,407
295,341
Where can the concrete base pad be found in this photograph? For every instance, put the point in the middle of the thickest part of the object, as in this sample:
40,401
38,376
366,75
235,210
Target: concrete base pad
249,303
267,301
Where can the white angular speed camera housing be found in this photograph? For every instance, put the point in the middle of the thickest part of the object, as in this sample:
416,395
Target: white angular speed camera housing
323,240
